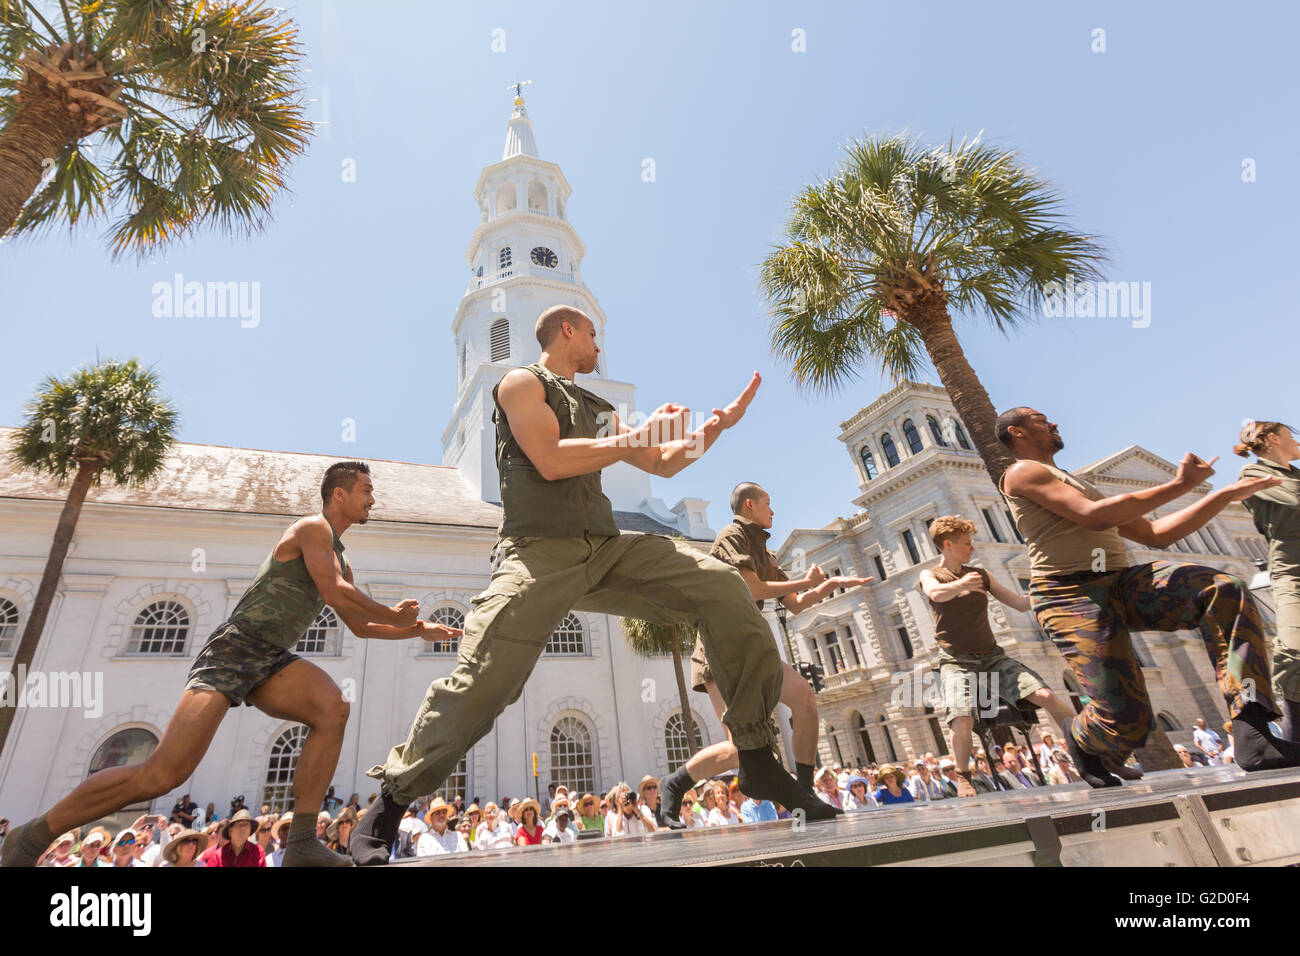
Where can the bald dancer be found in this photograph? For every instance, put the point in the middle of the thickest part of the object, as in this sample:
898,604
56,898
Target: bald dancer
559,549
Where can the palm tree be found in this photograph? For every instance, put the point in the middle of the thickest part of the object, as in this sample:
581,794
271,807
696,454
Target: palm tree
655,640
162,114
879,256
105,420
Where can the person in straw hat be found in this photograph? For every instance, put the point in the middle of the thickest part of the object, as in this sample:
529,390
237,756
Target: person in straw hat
280,832
892,789
240,850
184,849
527,814
89,853
60,852
560,829
248,659
440,837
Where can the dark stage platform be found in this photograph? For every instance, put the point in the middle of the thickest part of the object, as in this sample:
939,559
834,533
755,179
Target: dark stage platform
1217,816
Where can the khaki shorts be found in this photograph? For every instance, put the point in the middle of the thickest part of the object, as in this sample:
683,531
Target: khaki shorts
701,676
235,664
975,685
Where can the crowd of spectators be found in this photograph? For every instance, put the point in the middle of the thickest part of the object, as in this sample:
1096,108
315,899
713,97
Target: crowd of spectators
192,836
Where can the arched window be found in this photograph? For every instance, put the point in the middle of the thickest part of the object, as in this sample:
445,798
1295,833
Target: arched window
573,762
912,436
887,446
457,785
961,435
868,463
935,431
451,617
126,748
499,340
503,258
506,198
860,725
278,791
161,629
889,740
569,638
537,196
678,747
1168,722
322,638
8,627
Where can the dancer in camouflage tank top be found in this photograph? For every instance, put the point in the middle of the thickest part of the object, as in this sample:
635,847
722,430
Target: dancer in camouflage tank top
248,660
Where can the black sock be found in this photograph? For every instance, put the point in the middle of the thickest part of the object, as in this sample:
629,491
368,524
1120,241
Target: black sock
1255,747
762,778
1090,766
671,790
1290,718
803,773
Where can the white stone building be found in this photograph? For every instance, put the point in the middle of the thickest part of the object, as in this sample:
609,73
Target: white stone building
151,573
914,462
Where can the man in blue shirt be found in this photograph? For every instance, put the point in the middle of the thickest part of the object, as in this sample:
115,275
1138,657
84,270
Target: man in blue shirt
756,811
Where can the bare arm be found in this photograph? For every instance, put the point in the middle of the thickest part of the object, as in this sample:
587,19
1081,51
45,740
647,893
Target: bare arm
666,459
1029,479
940,593
1007,596
1165,531
316,541
807,598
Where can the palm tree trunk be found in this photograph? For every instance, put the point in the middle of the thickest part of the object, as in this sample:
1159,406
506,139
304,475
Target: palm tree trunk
39,131
931,319
687,722
49,582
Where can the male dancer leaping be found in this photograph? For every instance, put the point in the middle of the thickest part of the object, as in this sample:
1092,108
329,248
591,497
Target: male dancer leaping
743,545
1086,597
247,661
559,549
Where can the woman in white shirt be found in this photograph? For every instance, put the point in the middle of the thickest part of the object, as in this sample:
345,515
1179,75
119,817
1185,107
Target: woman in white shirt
859,796
723,813
494,831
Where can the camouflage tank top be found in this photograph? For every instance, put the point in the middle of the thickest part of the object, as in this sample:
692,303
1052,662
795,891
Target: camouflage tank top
282,601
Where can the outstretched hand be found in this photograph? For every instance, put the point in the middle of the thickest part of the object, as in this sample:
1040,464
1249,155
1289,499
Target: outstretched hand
1243,489
1192,470
736,410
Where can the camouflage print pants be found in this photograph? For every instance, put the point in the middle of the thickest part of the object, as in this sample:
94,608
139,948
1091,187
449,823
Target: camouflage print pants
1089,615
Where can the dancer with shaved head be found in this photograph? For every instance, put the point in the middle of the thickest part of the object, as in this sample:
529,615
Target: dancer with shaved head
559,549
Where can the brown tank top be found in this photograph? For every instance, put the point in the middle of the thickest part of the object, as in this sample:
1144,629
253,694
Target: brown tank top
1059,546
961,625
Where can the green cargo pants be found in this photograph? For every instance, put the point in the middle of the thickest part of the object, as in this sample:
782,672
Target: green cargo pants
535,582
1286,646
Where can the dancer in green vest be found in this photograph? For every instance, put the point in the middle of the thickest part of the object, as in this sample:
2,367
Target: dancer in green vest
559,549
1277,517
248,660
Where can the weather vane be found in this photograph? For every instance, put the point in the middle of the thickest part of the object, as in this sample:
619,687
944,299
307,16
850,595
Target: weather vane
519,86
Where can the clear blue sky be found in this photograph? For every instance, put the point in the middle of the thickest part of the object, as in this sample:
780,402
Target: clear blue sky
359,281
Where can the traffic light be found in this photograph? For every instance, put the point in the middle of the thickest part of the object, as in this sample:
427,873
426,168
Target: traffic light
813,675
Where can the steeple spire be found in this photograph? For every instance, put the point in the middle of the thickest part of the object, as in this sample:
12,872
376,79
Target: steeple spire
519,132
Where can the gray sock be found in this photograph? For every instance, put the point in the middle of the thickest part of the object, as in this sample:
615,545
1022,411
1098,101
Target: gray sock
24,846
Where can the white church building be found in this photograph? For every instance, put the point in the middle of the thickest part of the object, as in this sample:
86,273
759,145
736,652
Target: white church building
151,573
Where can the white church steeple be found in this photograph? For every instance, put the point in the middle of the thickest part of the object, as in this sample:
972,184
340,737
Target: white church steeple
523,258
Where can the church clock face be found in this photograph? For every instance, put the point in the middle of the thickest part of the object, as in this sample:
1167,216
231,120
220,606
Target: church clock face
542,256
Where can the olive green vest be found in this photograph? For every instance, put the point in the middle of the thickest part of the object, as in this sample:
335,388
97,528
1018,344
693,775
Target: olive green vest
564,508
282,601
1059,546
1277,517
